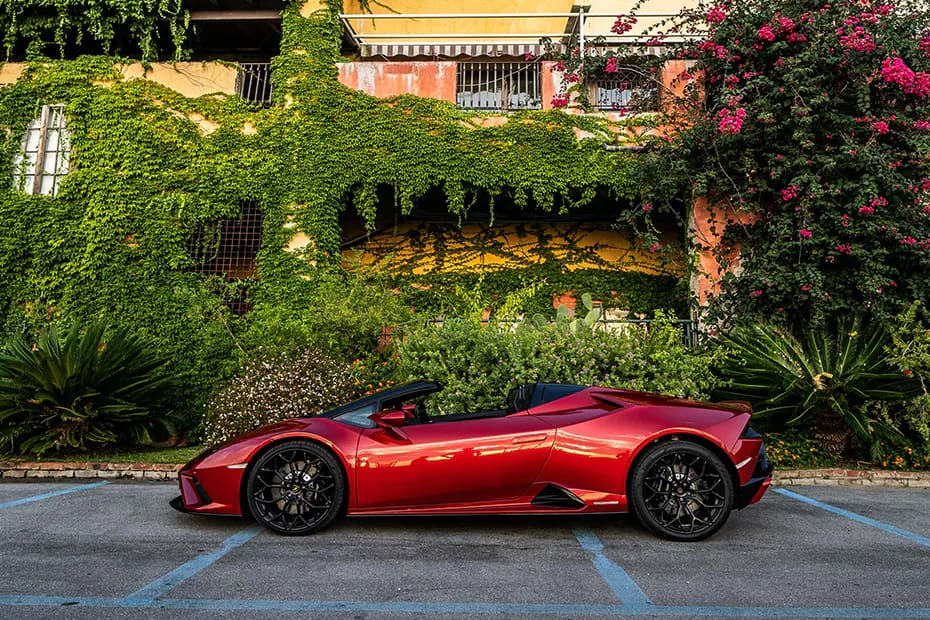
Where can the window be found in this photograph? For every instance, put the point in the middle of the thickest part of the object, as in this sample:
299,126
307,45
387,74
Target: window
498,86
43,158
253,82
630,87
228,248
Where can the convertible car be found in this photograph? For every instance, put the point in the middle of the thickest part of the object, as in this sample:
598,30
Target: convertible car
679,466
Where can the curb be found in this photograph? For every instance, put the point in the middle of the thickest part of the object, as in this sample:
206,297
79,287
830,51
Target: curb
55,470
161,472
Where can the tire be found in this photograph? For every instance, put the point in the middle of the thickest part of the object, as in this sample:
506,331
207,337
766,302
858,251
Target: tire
296,488
681,490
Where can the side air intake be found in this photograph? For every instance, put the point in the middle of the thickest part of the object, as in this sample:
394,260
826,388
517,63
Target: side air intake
556,497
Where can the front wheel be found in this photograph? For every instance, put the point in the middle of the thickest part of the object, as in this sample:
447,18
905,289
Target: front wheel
681,490
297,487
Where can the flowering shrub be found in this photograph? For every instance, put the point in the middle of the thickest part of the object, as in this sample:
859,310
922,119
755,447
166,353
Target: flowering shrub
815,115
277,387
793,450
479,364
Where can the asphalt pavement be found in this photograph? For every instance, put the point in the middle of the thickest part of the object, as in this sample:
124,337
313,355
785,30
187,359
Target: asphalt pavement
117,550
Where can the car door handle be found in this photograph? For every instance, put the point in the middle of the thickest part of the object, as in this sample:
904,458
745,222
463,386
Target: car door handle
530,438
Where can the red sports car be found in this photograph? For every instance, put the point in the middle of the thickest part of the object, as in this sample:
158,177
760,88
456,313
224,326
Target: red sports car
679,466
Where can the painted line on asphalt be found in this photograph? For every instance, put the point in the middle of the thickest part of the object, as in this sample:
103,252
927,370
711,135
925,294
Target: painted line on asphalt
165,583
486,609
619,581
891,529
38,498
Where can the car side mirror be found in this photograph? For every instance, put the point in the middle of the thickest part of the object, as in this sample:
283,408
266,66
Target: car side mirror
389,419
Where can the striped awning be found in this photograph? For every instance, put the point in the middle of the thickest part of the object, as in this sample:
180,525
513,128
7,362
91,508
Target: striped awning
451,50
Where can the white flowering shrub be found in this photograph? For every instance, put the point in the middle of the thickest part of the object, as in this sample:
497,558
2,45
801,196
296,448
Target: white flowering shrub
277,387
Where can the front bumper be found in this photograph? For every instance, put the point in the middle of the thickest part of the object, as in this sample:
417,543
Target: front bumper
178,504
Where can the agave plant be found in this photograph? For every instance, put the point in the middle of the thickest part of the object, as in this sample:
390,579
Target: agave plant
89,388
824,382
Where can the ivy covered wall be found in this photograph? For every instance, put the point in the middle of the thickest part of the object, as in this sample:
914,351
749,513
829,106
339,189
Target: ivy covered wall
150,166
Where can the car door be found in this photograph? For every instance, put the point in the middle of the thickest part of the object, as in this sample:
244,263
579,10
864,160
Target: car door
459,461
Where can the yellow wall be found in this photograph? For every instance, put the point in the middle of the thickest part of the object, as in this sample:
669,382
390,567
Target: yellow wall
191,79
424,248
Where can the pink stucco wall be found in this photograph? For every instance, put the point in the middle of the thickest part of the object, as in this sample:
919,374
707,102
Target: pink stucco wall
387,79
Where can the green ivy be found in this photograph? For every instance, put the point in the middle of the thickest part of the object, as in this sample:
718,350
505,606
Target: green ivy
144,176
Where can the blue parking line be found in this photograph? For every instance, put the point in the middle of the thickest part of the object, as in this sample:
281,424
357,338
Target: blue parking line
619,581
164,584
526,610
37,498
891,529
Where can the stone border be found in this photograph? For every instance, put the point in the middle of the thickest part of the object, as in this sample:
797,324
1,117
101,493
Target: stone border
50,469
155,471
852,477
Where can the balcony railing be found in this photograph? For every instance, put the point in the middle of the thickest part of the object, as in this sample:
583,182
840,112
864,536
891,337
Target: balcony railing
628,88
253,82
501,86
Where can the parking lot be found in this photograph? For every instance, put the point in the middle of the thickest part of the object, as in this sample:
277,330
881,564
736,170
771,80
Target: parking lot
117,550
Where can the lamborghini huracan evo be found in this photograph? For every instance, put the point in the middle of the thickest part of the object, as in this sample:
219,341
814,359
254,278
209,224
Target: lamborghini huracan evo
679,466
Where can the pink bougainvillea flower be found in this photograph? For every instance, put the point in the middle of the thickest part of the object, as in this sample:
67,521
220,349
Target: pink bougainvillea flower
867,210
559,66
560,100
611,66
844,248
790,192
623,24
786,24
921,125
858,40
731,121
765,33
717,14
920,86
756,293
895,71
529,56
806,234
805,287
880,127
647,207
654,248
924,45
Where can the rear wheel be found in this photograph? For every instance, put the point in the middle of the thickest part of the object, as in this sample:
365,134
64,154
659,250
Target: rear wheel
297,487
681,490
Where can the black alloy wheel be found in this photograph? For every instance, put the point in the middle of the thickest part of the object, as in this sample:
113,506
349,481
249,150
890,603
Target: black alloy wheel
681,490
297,487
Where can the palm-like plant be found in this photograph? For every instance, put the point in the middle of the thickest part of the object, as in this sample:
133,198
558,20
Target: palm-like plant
85,389
824,382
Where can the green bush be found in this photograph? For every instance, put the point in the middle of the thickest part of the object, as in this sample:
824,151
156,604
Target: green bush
89,389
479,363
275,387
823,383
343,314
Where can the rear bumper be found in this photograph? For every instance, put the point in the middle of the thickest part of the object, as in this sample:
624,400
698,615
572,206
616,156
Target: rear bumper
761,480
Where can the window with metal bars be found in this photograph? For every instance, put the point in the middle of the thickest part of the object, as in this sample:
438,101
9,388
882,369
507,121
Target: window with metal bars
498,86
228,248
253,82
43,157
629,89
